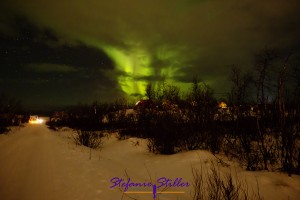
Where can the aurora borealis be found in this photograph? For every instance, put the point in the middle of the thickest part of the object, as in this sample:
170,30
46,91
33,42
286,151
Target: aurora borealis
63,52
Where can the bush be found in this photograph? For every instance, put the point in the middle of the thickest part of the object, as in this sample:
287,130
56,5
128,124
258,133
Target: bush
92,139
218,187
4,130
164,130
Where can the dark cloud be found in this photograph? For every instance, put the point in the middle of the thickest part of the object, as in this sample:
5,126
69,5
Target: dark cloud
46,68
38,67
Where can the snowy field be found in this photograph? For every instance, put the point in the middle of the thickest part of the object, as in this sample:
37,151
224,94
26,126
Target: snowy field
40,164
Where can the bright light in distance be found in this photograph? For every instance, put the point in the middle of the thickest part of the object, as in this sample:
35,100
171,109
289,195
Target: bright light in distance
35,120
222,105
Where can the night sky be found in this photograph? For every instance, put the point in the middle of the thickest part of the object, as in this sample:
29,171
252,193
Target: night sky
63,52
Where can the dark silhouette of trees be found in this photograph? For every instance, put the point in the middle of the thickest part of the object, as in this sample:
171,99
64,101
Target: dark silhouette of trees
150,93
263,62
240,85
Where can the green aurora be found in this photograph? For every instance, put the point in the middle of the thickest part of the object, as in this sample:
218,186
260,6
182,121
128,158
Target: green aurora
134,68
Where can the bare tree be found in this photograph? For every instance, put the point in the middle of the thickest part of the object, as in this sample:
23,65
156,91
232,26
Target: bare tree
296,79
201,96
286,128
171,93
263,62
150,92
240,84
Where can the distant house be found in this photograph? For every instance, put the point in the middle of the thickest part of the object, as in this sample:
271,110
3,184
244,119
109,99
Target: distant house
59,116
144,103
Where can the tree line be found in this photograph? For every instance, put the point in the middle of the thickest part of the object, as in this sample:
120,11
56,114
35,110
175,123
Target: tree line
267,139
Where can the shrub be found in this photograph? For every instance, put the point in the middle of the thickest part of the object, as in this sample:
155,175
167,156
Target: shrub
92,139
164,131
218,187
4,130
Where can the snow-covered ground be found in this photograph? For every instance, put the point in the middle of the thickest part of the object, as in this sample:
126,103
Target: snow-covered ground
38,163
